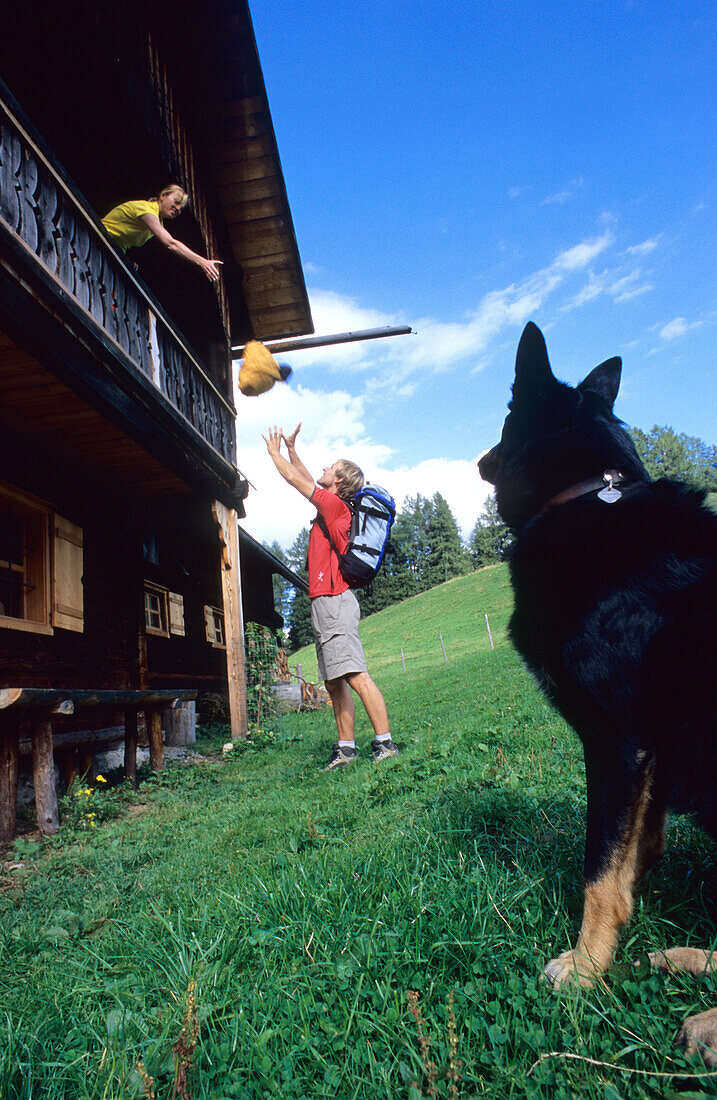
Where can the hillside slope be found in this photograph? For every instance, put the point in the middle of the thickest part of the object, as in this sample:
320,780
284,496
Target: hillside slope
454,611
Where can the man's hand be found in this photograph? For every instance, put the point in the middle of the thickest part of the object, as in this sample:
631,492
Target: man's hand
273,443
291,469
290,440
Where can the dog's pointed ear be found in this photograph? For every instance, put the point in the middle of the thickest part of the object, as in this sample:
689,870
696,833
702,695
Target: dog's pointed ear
604,380
532,367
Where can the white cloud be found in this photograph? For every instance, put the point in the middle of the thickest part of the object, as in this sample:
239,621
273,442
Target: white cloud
332,427
436,346
643,248
673,329
564,196
621,288
334,419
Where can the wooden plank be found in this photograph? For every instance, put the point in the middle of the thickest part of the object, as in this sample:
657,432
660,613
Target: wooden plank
87,697
253,211
238,108
238,171
227,523
43,776
236,151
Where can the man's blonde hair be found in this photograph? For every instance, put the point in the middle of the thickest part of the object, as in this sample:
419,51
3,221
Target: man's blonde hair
351,478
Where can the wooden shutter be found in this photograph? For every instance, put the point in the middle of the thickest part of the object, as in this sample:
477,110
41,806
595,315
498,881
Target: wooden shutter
67,568
209,624
176,613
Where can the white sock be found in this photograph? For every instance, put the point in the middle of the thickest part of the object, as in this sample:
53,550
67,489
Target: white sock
347,745
383,736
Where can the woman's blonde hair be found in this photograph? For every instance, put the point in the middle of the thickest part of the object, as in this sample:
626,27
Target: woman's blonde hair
351,478
175,188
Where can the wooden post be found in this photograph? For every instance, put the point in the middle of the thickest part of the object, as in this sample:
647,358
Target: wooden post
156,745
180,723
130,744
8,779
43,774
487,626
440,636
403,661
226,520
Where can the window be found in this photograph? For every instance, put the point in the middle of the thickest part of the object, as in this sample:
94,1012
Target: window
156,617
214,622
163,611
41,564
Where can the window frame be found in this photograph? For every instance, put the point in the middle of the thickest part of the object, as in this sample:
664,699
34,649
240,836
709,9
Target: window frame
37,561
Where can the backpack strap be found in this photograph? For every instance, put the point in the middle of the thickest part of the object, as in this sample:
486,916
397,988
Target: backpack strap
321,523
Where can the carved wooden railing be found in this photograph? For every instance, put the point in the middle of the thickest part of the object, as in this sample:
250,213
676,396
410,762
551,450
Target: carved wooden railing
40,208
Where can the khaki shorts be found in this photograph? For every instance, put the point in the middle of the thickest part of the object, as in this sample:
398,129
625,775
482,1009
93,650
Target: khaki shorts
335,622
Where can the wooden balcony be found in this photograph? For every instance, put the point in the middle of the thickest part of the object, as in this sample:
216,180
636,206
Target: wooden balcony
53,246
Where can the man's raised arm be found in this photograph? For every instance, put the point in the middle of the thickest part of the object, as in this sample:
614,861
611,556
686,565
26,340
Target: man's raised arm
294,472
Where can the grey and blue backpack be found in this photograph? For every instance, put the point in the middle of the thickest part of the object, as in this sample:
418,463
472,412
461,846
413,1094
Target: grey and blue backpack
373,511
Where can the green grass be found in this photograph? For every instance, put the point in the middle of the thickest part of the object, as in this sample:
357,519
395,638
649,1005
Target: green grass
305,906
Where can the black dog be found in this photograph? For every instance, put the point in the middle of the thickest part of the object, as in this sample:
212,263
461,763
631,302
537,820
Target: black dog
615,583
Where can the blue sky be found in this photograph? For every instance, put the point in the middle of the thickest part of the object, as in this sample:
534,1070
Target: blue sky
465,168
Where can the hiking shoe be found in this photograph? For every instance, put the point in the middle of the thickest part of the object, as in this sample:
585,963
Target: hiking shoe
383,750
341,757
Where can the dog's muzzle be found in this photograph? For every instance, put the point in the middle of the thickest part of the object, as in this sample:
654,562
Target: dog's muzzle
489,465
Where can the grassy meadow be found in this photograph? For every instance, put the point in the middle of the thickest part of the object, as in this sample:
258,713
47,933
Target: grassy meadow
248,927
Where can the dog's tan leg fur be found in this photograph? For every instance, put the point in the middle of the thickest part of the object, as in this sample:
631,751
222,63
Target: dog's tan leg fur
608,902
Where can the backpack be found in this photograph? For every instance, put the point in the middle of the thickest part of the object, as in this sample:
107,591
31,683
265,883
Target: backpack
373,511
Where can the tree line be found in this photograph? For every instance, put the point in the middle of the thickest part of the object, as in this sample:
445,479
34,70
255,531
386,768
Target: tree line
426,545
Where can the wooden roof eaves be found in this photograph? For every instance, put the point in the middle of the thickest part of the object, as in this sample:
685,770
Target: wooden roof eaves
253,112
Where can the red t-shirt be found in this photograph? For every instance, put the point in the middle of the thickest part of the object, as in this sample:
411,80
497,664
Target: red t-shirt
324,575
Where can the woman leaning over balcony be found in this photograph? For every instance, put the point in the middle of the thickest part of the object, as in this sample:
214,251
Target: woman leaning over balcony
131,224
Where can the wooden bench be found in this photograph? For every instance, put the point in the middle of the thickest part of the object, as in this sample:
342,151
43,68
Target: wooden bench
42,706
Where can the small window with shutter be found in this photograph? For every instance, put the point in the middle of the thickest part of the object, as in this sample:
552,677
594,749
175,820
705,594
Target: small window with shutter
214,623
24,562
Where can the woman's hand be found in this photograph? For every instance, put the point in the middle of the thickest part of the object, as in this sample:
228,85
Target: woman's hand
210,268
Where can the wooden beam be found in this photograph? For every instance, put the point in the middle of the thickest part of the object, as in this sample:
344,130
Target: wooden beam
43,775
226,520
156,745
130,745
8,779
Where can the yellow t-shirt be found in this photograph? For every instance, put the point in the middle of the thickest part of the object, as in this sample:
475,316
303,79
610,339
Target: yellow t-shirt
124,226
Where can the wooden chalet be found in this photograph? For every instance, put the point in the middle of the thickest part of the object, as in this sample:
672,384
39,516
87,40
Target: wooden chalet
123,583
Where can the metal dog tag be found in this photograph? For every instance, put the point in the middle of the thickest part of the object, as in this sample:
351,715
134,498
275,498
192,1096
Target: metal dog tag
609,494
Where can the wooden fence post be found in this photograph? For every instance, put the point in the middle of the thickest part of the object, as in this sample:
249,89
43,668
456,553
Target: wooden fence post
403,661
43,775
487,626
445,660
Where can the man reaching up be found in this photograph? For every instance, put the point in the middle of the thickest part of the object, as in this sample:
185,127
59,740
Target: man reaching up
335,610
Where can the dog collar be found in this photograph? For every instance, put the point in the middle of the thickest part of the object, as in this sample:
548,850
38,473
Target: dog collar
606,485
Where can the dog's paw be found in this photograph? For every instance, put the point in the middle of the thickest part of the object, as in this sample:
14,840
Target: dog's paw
571,968
683,960
698,1035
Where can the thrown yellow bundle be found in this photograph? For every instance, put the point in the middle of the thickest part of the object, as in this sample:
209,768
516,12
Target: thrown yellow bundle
260,370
